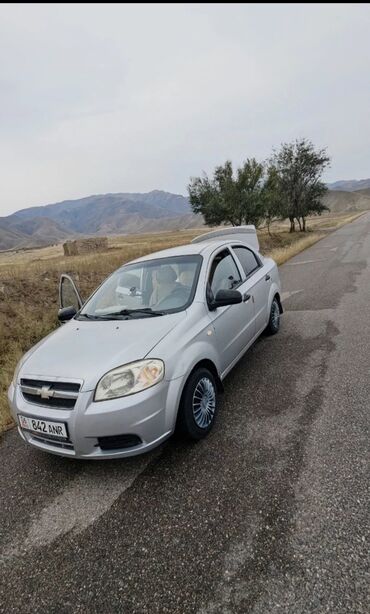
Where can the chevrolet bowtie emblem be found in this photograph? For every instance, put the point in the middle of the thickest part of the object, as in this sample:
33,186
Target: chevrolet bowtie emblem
45,392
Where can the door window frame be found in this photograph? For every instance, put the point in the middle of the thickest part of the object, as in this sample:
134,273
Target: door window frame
240,265
74,287
211,260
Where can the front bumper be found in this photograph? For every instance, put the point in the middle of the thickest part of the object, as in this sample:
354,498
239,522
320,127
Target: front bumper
150,415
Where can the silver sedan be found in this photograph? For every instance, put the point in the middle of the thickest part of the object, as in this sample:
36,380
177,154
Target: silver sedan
147,353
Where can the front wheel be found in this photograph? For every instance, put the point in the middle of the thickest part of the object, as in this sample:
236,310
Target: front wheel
199,405
274,319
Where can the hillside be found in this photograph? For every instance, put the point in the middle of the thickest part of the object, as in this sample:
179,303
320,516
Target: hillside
29,232
365,192
351,185
340,201
100,214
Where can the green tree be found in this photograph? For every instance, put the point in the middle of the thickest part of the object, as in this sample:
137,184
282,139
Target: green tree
274,204
229,198
297,169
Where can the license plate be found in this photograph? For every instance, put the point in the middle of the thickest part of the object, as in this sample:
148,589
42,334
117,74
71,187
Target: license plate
43,427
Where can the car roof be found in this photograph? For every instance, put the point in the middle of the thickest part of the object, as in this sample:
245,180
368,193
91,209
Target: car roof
189,249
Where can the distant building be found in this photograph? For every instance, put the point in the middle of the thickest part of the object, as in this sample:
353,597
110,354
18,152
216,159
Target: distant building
85,246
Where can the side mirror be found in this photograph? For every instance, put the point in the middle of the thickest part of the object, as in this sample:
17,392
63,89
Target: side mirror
226,297
66,313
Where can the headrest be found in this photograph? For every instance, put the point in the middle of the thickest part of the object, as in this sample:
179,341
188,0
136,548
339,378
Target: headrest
166,275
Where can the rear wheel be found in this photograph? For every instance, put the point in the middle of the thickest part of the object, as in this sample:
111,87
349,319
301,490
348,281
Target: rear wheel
274,319
198,406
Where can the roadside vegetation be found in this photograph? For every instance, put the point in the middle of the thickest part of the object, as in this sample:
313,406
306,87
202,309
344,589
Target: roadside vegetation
287,186
29,281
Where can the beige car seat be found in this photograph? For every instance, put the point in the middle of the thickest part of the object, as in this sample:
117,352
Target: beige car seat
164,283
186,277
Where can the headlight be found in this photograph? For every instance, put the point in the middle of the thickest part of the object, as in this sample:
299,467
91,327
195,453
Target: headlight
128,379
16,373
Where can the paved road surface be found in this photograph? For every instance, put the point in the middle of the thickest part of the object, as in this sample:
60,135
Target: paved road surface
270,514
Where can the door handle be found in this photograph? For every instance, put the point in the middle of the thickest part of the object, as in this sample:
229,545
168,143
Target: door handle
246,297
267,278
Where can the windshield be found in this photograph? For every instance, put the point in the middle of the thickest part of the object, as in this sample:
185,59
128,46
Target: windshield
143,289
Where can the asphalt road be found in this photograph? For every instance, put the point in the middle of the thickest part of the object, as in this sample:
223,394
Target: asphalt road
269,514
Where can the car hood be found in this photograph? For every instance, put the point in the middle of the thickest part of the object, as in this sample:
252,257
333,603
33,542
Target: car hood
85,351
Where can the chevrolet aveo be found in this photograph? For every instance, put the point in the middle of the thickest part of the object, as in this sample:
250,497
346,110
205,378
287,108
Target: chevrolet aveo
146,354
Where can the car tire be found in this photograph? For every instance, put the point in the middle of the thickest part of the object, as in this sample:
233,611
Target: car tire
274,320
199,404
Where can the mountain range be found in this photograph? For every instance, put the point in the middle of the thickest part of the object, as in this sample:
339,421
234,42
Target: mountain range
352,185
125,213
104,214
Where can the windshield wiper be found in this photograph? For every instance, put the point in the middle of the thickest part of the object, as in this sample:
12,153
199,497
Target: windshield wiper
88,316
129,312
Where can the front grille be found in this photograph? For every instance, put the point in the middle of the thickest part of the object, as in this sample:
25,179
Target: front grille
119,442
65,386
59,395
58,403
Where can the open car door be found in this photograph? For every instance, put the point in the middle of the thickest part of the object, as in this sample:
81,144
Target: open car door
69,296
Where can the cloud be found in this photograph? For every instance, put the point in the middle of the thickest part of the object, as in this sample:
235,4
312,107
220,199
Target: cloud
97,98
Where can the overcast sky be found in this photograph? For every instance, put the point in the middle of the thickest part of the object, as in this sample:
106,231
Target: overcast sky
124,98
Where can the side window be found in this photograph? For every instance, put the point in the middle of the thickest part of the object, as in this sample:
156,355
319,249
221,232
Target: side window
224,274
247,259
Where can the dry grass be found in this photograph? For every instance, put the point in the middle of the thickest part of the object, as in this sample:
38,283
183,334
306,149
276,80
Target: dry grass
29,282
284,245
282,253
